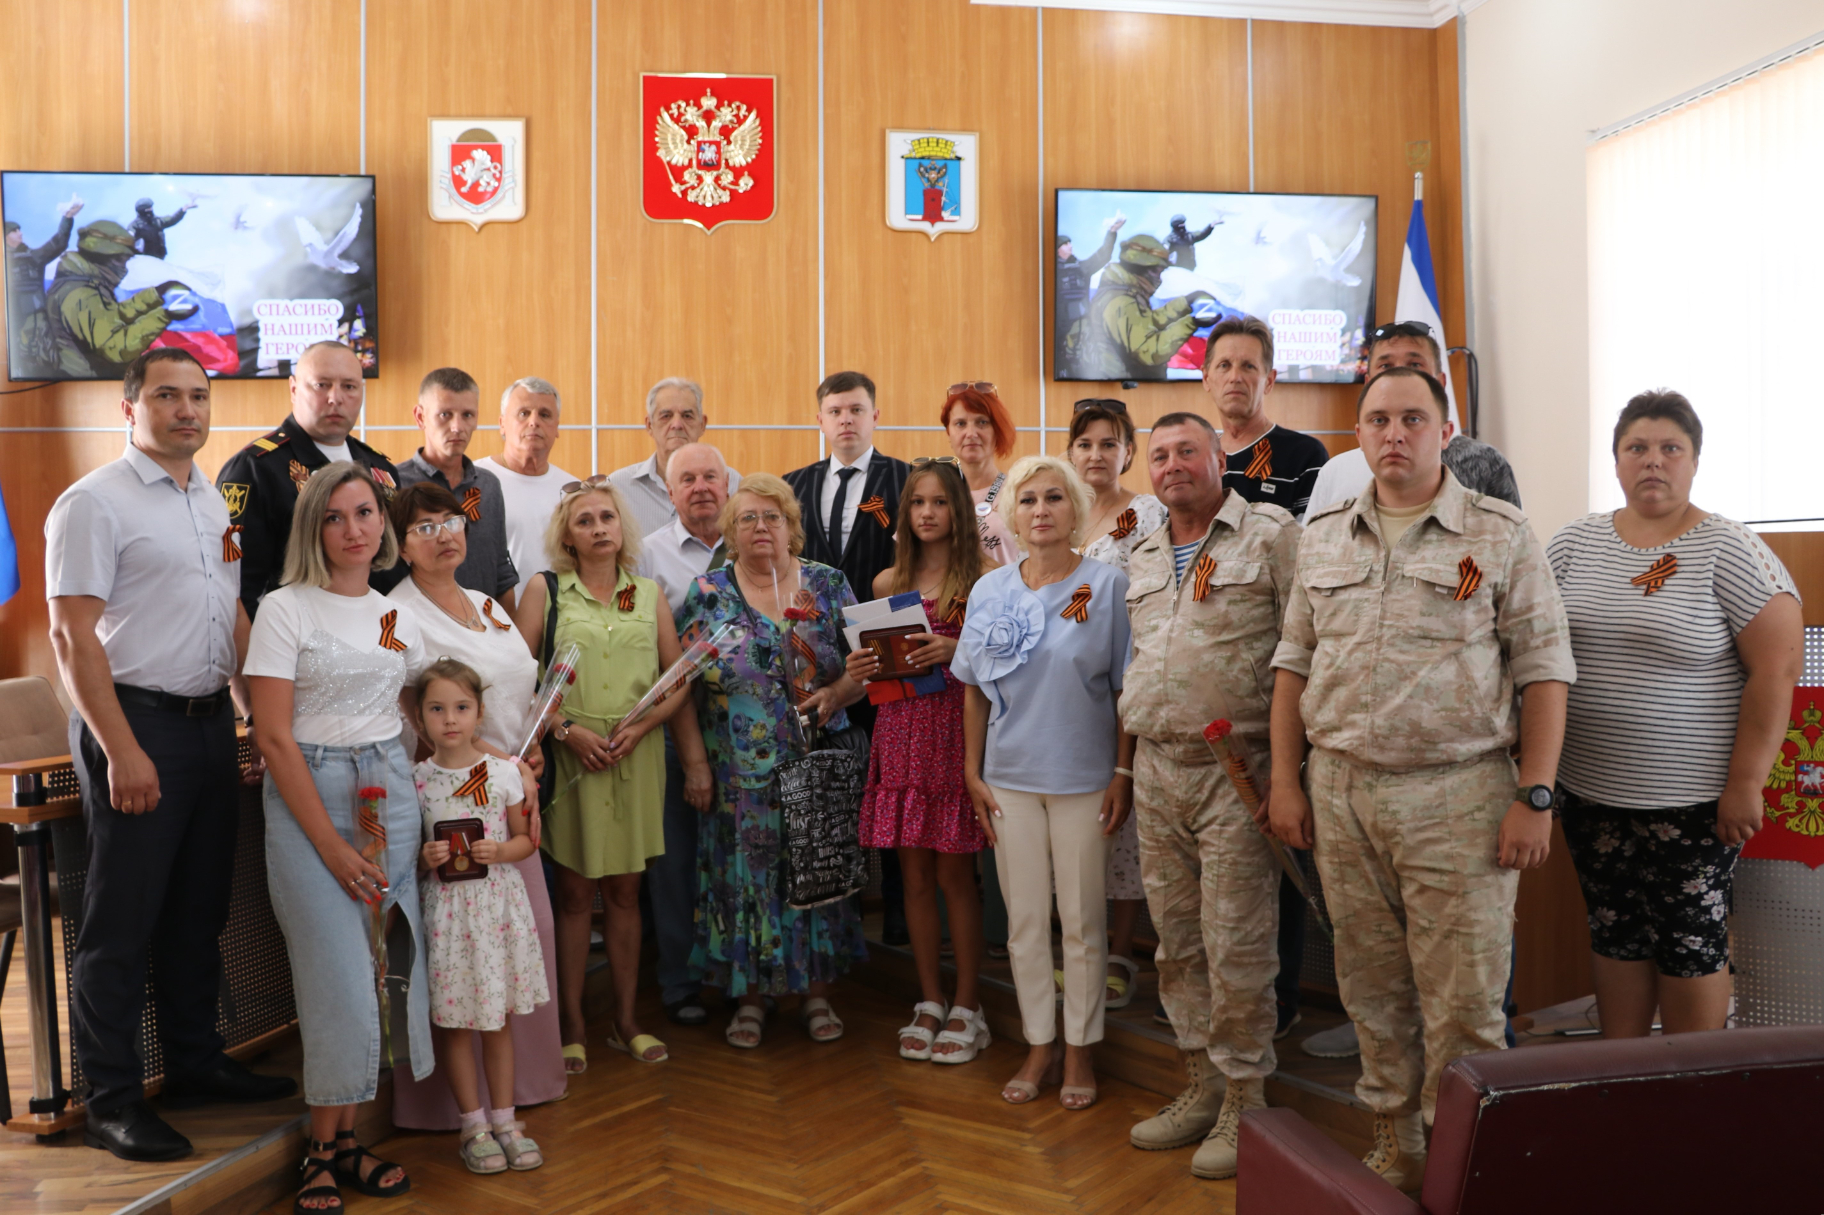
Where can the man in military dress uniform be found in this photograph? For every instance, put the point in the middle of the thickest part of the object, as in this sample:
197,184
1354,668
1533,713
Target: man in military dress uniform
93,334
1417,611
1205,594
1123,337
261,482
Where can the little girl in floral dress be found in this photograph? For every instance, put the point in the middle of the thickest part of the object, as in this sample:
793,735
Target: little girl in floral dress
485,962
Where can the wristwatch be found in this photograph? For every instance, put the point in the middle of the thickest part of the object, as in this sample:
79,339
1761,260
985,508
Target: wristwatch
562,731
1539,797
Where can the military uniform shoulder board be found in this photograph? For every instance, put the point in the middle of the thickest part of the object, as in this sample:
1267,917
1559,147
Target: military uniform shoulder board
1329,508
271,441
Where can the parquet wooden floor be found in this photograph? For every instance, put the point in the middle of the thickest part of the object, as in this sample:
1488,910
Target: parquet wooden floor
798,1127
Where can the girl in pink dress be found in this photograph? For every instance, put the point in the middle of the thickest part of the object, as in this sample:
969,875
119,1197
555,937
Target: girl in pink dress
916,800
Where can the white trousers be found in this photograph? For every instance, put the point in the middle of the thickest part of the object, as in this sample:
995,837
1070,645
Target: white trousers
1042,836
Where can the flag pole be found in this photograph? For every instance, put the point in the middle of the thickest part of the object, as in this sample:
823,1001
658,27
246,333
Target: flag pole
1418,187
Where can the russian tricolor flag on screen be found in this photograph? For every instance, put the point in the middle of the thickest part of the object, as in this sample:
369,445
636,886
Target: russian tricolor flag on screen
208,334
1418,299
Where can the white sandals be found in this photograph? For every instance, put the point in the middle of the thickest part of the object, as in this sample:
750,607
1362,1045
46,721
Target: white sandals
748,1019
924,1008
819,1018
971,1039
1121,991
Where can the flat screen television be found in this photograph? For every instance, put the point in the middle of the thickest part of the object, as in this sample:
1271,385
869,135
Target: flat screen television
1142,275
242,270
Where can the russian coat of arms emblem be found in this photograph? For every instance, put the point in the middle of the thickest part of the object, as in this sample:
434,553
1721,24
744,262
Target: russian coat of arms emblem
708,149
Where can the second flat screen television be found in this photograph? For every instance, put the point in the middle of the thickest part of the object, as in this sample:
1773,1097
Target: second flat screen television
1142,275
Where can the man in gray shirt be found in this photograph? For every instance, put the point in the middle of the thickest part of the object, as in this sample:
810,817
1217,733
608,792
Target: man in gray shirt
448,409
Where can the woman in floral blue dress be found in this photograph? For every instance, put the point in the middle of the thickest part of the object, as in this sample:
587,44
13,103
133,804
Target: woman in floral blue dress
749,942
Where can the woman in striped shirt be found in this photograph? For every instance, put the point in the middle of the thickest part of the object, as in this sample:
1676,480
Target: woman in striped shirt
1688,639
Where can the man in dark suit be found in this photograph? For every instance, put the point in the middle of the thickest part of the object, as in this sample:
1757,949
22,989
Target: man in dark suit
851,500
851,503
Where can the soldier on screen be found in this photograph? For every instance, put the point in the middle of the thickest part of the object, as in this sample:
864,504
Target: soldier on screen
1123,337
93,334
1072,296
25,289
1183,243
149,229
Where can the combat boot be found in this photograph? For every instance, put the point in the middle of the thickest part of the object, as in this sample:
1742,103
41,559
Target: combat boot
1217,1157
1398,1154
1188,1118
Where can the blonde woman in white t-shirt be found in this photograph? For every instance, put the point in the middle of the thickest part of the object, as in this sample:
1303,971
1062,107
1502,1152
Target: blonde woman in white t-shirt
327,667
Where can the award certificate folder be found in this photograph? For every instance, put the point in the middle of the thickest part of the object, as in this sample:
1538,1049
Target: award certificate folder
463,834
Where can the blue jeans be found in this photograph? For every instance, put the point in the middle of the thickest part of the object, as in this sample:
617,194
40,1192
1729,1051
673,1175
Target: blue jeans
326,932
671,884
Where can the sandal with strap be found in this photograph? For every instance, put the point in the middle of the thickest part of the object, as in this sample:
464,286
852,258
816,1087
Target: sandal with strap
365,1183
481,1153
313,1168
924,1008
638,1047
522,1154
748,1019
817,1016
1121,991
1074,1097
970,1039
578,1054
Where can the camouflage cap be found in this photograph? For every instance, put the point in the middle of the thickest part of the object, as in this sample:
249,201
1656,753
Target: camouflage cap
105,236
1143,251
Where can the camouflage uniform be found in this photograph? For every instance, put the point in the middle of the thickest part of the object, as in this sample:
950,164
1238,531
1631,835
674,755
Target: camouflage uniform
1211,881
1123,336
1413,660
96,335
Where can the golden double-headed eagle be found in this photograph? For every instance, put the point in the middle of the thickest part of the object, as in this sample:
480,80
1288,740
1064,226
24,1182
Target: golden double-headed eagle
709,140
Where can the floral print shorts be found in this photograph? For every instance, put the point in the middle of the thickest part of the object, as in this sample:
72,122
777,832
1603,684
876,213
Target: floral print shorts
1658,884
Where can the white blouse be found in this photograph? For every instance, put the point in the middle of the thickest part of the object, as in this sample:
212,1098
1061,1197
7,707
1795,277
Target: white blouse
347,657
1149,517
509,673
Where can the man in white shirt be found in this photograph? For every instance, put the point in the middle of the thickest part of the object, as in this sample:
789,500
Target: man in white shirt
142,571
1480,466
691,544
674,557
674,417
530,485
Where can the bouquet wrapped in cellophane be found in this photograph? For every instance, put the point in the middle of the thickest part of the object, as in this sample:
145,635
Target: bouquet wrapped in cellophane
695,660
560,675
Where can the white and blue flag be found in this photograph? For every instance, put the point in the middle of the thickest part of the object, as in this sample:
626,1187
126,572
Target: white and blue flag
1418,298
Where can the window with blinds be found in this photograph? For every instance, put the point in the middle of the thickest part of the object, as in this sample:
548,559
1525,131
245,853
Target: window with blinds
1706,256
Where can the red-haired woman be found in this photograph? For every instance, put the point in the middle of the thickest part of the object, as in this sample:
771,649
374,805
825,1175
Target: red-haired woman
981,431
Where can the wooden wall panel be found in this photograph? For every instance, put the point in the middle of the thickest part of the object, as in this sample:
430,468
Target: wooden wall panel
736,308
61,112
512,299
917,314
1803,553
1137,101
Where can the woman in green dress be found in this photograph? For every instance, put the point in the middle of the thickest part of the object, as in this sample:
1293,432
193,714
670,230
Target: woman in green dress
607,818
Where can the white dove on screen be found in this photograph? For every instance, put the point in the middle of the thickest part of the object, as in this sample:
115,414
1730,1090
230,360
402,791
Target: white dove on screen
1334,266
328,254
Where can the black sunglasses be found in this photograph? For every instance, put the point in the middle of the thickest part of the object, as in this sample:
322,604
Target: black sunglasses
1108,403
1412,329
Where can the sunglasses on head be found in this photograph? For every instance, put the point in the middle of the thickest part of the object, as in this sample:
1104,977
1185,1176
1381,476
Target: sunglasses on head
922,461
577,487
1411,329
983,386
1108,403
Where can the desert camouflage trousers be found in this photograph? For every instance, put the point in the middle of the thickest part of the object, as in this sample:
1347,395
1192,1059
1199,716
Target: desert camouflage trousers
1212,887
1423,914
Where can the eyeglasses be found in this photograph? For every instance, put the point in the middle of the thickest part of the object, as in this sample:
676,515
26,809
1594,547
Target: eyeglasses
1411,329
748,520
979,385
595,482
1108,403
429,529
922,461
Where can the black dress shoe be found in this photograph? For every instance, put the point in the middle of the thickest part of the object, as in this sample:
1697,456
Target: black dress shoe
134,1132
226,1081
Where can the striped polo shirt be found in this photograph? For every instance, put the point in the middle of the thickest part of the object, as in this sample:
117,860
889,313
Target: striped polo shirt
1652,715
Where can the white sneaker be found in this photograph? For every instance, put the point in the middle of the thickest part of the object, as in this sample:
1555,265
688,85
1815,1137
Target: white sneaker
1338,1043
